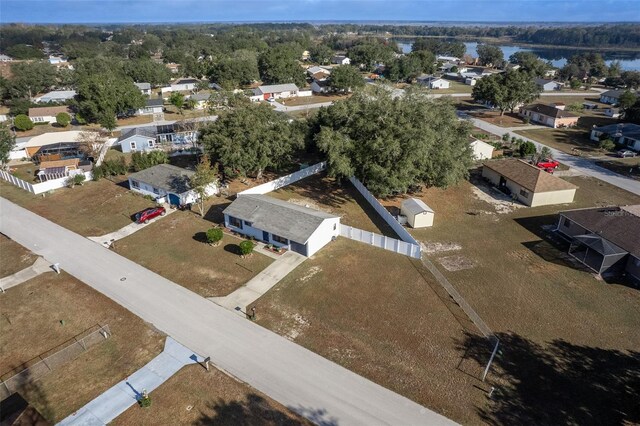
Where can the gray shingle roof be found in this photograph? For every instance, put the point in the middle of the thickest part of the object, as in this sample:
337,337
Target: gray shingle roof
155,102
143,86
282,218
165,176
612,93
549,111
628,130
277,88
148,131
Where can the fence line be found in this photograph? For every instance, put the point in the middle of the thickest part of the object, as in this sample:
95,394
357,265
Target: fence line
39,188
286,180
383,212
381,241
44,363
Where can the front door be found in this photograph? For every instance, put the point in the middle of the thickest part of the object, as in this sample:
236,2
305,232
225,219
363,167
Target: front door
174,200
265,236
503,181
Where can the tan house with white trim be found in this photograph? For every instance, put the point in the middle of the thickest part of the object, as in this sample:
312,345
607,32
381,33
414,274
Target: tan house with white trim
549,115
528,184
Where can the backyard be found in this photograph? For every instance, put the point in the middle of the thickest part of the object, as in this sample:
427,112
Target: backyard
198,397
43,315
383,316
175,247
95,208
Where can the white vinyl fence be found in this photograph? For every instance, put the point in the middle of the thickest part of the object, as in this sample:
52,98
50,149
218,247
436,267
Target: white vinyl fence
381,241
286,180
384,213
39,188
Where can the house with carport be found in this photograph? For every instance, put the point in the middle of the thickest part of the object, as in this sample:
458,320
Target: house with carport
605,239
283,224
527,183
167,183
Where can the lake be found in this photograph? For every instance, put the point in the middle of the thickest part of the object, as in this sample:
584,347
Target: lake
557,56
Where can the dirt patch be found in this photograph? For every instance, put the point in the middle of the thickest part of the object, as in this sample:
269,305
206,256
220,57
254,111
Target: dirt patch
500,202
435,247
456,263
310,204
310,273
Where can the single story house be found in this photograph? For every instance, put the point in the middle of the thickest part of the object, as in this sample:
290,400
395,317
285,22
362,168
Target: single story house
55,60
47,114
527,183
611,96
341,60
481,150
471,81
453,67
320,86
606,239
624,134
56,169
433,82
173,67
549,115
180,85
283,224
201,99
167,183
612,112
547,85
55,96
49,146
315,70
152,106
149,138
145,88
277,91
418,214
447,58
139,139
5,58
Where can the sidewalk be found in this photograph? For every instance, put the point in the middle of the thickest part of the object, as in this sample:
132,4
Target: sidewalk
108,239
260,284
40,266
125,394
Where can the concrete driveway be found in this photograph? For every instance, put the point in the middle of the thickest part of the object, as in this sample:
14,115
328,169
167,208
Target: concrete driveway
307,383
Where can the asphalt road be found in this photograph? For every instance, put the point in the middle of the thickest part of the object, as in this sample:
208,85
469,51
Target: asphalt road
315,387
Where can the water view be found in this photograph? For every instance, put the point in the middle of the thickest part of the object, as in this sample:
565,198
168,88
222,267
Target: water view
630,60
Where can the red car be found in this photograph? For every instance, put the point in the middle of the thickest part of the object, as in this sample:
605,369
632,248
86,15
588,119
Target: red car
147,214
547,164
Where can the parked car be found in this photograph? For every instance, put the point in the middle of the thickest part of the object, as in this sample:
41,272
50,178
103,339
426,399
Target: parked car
547,163
624,153
146,215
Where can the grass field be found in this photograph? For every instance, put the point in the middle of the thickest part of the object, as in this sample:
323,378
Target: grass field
624,166
175,248
196,397
565,140
310,100
32,323
95,208
550,313
326,194
382,316
506,120
13,257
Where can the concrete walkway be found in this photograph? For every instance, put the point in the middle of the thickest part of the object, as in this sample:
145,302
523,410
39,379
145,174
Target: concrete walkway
260,284
108,239
310,385
125,394
40,266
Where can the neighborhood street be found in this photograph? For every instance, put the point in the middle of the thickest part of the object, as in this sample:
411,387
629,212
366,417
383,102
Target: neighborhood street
309,384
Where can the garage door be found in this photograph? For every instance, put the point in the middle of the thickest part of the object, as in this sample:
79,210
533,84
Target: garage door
299,248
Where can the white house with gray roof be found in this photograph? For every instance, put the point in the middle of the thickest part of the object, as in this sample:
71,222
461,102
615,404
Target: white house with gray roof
283,224
145,88
168,182
55,96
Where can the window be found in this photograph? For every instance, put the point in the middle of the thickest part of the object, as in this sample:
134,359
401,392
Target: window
133,145
156,191
279,239
235,222
135,184
524,193
151,143
334,226
248,223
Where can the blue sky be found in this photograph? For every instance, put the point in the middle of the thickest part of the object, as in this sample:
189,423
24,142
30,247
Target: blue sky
76,11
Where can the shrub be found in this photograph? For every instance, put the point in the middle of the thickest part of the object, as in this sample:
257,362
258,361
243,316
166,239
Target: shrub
575,107
506,137
527,148
246,247
145,401
214,235
575,84
22,122
76,180
98,173
63,119
143,160
607,145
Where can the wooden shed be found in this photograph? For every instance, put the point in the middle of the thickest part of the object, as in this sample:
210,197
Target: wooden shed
418,214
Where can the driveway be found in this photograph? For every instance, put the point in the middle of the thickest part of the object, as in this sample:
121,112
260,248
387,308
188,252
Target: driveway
310,385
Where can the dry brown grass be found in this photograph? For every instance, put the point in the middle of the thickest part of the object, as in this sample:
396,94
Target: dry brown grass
13,257
506,120
95,208
195,396
138,119
175,248
310,100
31,324
383,316
624,166
565,140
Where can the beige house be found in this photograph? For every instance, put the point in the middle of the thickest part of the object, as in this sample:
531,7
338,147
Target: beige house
549,115
528,184
418,214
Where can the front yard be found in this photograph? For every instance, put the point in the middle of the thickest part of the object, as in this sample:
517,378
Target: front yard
571,141
95,208
13,257
175,248
42,314
624,166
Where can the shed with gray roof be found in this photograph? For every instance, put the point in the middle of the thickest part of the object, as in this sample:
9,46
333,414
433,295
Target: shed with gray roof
283,224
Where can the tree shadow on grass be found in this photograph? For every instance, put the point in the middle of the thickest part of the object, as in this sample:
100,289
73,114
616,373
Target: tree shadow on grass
200,237
559,383
233,249
253,411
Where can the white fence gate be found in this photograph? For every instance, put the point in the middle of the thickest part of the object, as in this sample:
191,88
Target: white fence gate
381,241
39,188
286,180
